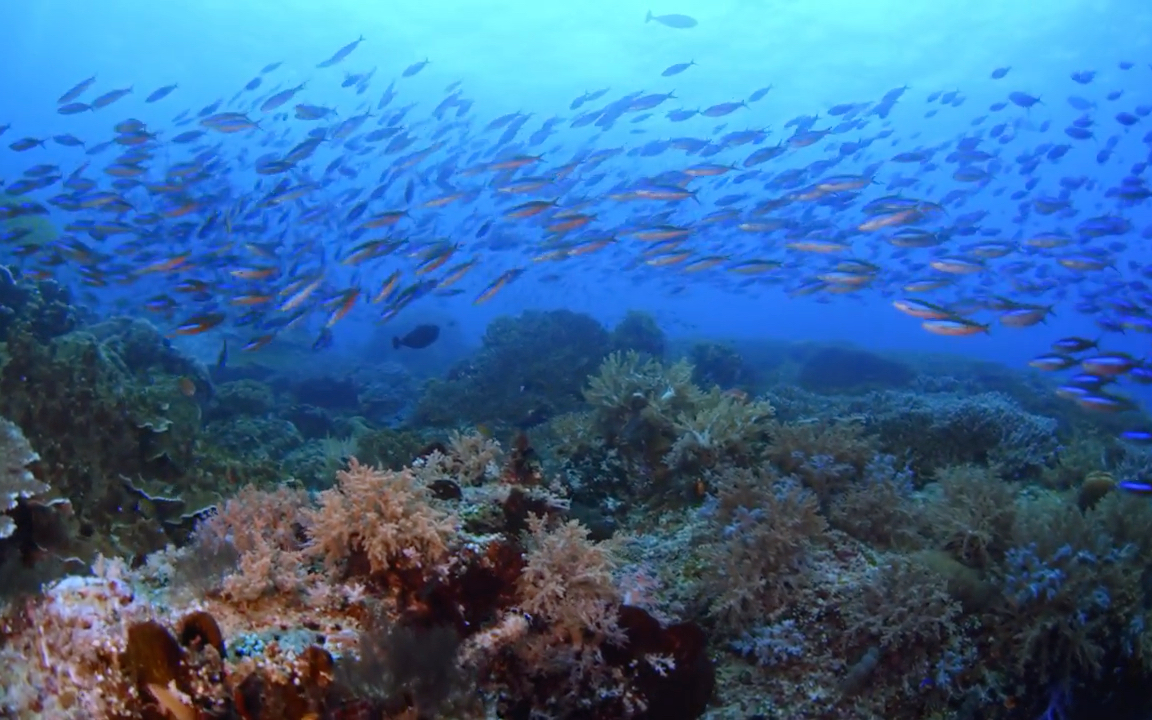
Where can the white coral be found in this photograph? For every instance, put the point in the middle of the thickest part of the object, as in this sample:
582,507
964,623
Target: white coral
16,481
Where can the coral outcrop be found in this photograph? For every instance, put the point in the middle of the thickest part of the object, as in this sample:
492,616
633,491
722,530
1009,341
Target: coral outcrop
528,369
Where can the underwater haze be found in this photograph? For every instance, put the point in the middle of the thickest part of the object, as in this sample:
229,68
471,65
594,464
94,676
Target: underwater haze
727,359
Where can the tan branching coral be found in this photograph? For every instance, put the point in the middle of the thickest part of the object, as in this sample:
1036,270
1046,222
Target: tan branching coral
468,459
763,533
575,434
387,515
720,425
825,455
262,528
567,587
971,514
880,512
628,382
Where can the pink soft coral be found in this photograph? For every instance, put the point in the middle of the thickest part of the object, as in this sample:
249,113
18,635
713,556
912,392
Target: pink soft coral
384,514
264,529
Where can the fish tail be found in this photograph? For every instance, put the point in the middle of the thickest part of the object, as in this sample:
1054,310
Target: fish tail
649,17
395,343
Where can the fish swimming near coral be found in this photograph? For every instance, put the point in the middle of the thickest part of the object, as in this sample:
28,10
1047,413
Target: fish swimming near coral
417,338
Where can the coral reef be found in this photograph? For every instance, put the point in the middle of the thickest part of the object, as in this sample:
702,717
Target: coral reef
305,593
638,331
931,431
115,446
528,369
845,370
663,427
716,364
44,308
646,540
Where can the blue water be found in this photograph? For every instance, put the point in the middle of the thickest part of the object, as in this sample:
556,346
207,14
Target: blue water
537,57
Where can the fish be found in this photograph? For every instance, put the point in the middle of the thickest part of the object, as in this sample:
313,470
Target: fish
681,22
1136,487
954,326
417,338
414,68
76,91
294,208
198,324
26,144
280,98
109,97
677,68
340,54
160,93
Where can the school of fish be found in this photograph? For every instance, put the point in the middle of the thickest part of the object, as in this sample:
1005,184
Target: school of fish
264,212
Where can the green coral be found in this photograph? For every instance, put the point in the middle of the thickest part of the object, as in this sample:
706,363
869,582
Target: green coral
254,439
639,331
105,438
716,364
529,368
626,382
242,397
389,448
847,370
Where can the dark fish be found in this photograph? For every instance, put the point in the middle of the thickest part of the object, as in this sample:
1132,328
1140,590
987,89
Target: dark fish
536,416
68,140
73,108
76,91
677,68
759,94
680,22
109,97
26,144
270,67
1023,99
323,340
160,93
418,338
280,98
1000,72
222,358
414,68
341,53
